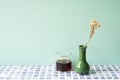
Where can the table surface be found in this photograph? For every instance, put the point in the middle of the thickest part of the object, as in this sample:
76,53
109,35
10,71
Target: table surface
48,72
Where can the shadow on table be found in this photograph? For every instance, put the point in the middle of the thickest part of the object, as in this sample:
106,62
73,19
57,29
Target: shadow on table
92,72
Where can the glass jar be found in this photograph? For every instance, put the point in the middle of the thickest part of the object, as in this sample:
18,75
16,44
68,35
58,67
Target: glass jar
63,61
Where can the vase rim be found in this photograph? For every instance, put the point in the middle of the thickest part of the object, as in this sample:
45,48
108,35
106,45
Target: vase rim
82,46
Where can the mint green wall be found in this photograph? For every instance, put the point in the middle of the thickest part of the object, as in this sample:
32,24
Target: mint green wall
32,31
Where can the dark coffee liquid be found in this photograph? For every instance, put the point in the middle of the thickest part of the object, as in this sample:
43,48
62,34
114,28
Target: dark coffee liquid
63,65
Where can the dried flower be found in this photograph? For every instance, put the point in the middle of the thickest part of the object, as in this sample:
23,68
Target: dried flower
93,25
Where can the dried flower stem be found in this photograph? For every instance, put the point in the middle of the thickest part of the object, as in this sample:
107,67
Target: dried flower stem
93,25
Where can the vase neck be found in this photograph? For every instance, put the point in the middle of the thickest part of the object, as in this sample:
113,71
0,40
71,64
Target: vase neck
82,53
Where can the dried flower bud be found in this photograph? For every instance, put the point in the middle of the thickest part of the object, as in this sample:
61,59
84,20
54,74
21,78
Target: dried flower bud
93,21
98,25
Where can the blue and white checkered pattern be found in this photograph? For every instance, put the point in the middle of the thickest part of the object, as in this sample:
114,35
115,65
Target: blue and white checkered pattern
39,72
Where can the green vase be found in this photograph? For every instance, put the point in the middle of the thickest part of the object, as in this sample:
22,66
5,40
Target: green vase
82,67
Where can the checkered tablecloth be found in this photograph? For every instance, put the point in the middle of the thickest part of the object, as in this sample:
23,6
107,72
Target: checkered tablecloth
40,72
